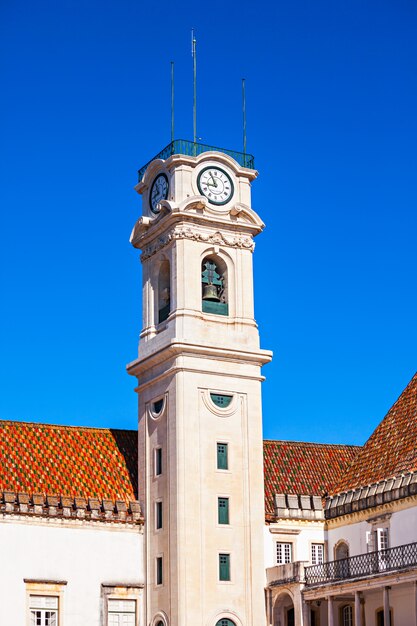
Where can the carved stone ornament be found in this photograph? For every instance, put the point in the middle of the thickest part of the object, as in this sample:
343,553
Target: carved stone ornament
185,232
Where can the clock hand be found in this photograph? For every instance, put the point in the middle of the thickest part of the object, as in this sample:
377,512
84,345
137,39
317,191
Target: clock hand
213,179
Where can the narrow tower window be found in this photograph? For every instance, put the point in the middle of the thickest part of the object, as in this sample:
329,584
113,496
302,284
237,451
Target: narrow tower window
222,456
159,570
224,566
158,461
223,510
164,298
158,515
214,286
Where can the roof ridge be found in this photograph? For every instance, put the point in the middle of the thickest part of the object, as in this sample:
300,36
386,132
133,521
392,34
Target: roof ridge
68,426
313,443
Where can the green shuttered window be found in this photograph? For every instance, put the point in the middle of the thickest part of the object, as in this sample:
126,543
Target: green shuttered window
223,510
222,456
224,566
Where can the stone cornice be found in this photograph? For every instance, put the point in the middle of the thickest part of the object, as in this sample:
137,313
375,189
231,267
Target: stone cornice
186,232
179,348
68,508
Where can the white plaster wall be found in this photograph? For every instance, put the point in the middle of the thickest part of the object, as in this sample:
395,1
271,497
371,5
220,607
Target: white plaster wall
310,532
402,530
85,557
403,527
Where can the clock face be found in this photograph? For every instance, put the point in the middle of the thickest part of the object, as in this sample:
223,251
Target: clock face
159,191
215,184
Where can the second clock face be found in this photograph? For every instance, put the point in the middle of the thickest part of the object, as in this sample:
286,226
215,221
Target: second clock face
159,191
215,184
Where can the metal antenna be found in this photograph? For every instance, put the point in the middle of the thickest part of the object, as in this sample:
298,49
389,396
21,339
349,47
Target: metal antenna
172,101
244,115
194,55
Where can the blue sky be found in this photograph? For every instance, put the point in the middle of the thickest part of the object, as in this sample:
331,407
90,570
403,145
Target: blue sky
331,120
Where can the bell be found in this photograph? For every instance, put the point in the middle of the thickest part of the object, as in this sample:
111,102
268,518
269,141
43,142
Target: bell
210,293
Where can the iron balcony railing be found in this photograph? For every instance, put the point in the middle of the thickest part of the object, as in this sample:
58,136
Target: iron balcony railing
363,565
189,148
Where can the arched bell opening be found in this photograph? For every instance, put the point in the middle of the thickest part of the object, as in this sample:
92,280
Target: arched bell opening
164,291
214,286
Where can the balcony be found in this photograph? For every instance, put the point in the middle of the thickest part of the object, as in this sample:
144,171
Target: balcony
285,574
363,565
189,148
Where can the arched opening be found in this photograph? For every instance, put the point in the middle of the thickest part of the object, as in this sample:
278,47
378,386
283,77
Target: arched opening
214,287
341,554
164,292
346,615
380,617
225,622
284,614
341,550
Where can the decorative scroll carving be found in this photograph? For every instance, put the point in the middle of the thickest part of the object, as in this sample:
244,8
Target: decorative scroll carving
185,232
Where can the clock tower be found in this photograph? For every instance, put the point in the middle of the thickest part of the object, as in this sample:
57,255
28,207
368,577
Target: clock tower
199,385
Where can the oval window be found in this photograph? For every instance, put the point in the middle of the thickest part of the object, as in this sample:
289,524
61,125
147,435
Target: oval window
225,622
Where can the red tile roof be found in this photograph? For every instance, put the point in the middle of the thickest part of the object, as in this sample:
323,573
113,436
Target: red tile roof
68,461
392,447
303,468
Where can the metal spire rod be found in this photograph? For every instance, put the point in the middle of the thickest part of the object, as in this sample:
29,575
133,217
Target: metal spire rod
194,55
244,115
172,101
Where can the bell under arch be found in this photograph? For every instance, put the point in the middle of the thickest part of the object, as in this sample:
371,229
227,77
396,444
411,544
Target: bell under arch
214,285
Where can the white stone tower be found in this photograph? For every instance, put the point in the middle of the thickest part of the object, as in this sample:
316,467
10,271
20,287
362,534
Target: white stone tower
199,386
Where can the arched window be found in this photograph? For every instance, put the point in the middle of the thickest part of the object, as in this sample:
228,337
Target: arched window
342,560
164,297
214,286
342,550
380,617
225,622
347,615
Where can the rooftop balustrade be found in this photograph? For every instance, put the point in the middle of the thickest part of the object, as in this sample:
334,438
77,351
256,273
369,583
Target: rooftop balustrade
189,148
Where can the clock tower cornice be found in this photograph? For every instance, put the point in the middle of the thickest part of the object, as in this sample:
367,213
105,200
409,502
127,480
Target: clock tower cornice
195,219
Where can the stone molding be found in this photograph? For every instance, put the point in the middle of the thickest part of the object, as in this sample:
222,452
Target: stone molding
185,232
369,496
67,508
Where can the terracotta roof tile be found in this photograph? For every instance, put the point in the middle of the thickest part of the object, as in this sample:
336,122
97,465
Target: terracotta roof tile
392,447
68,461
303,468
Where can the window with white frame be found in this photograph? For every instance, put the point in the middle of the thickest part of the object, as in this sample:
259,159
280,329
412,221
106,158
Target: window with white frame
121,612
377,539
284,552
43,611
317,553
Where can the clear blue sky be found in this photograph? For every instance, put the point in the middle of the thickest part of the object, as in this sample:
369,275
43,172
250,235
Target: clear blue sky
332,122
